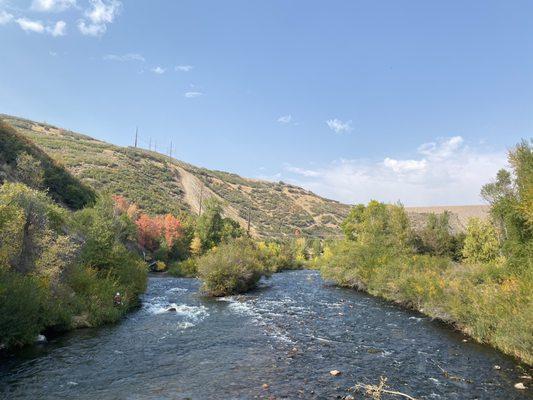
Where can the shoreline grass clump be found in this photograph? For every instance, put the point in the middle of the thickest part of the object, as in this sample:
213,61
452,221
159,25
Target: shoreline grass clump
231,268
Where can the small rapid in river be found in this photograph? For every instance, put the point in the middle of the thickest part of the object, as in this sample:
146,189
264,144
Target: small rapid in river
288,334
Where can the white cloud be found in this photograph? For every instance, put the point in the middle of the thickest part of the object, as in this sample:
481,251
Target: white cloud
285,119
191,95
52,53
91,29
52,5
124,57
100,14
59,29
29,25
401,166
339,126
5,17
447,173
158,70
103,12
443,148
184,68
309,173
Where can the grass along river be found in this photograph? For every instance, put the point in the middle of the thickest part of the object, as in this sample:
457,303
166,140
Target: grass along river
280,341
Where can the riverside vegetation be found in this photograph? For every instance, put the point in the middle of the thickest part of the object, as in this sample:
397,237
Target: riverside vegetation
481,282
65,250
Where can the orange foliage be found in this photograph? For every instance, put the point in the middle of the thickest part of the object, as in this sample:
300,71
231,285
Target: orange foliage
152,229
149,231
172,229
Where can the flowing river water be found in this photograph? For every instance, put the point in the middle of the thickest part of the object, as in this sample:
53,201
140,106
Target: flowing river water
289,334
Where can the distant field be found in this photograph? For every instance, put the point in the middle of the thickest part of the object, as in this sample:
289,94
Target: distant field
460,214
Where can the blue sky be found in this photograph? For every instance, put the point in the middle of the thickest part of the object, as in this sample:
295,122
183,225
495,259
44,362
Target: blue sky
395,100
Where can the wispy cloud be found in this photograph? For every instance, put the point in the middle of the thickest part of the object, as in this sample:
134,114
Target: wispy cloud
158,70
191,95
403,166
5,17
446,171
285,119
52,5
99,15
339,126
59,29
184,68
29,25
124,57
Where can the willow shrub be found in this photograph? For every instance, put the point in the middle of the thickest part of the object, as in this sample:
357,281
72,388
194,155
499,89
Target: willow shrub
231,268
187,268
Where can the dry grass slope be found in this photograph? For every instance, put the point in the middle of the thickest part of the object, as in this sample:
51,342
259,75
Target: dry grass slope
161,185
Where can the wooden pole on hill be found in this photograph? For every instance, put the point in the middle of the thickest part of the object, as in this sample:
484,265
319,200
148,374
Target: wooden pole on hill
136,134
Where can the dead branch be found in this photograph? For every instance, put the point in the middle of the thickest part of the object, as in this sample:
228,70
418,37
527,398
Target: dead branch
377,390
450,376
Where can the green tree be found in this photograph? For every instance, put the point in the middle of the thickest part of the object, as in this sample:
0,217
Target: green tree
378,223
511,203
481,242
35,215
231,229
209,225
436,237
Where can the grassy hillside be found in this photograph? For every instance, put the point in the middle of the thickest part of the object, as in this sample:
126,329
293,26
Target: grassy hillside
61,185
160,185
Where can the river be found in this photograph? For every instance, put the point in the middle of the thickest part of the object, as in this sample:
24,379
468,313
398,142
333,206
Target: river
288,334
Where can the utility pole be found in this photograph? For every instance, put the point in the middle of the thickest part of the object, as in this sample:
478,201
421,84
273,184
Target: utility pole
155,146
136,133
170,152
150,143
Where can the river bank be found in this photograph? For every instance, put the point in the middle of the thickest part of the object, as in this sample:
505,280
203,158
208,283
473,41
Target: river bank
288,334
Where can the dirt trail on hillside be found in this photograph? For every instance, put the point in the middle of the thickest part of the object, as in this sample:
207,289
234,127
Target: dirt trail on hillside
192,187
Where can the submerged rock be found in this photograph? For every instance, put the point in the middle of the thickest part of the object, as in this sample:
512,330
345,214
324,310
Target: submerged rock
172,309
335,372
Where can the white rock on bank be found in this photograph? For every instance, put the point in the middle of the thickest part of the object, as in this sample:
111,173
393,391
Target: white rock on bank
519,386
40,339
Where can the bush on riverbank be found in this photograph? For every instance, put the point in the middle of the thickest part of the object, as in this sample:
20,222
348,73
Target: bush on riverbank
186,269
58,268
231,268
281,256
488,295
